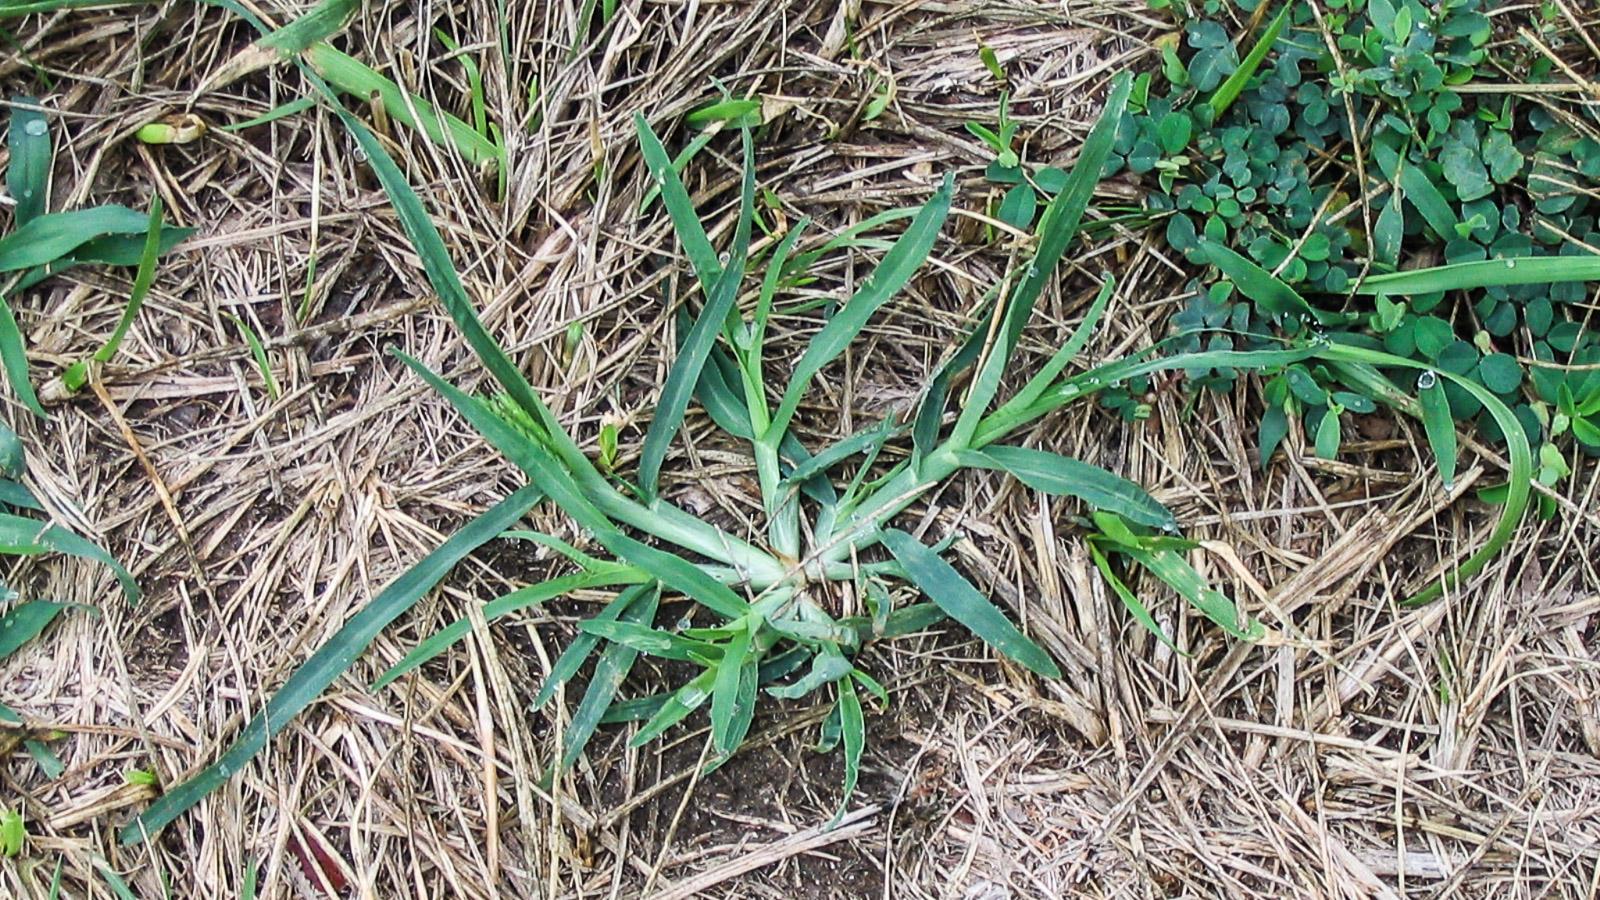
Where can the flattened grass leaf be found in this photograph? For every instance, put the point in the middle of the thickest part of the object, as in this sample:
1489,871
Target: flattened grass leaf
1229,90
584,643
28,172
1258,284
891,274
1056,227
1467,276
725,693
1130,600
1439,425
962,602
683,701
559,486
329,662
853,728
826,668
29,537
685,221
1064,476
25,621
1175,571
610,673
685,373
515,601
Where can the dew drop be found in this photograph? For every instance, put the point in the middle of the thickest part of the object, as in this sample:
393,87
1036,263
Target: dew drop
1427,380
723,257
35,127
1511,264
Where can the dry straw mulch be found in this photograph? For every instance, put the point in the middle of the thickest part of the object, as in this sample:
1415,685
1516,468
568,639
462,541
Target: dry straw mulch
1377,752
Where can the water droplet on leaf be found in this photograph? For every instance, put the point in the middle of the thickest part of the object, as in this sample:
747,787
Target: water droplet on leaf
35,127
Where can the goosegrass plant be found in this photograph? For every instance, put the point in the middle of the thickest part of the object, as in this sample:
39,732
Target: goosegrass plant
758,614
764,614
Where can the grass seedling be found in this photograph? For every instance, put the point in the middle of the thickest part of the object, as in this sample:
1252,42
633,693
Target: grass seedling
760,613
43,244
258,352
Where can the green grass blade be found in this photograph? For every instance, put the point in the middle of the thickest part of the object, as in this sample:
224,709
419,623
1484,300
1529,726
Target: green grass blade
1175,571
548,475
54,235
584,643
143,278
319,23
110,250
826,668
1084,384
754,353
258,352
1485,273
962,602
1064,476
1439,425
1130,600
1358,365
14,358
45,758
114,882
1052,370
18,496
691,234
609,673
28,173
896,268
679,163
1425,196
725,694
11,9
516,601
912,619
653,641
850,237
637,709
1056,227
683,701
360,80
1258,284
283,110
685,373
726,406
25,536
439,268
863,441
77,374
331,660
475,97
1229,90
853,728
931,408
25,621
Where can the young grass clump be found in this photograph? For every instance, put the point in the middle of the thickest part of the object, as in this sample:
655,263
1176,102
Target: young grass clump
761,609
758,614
